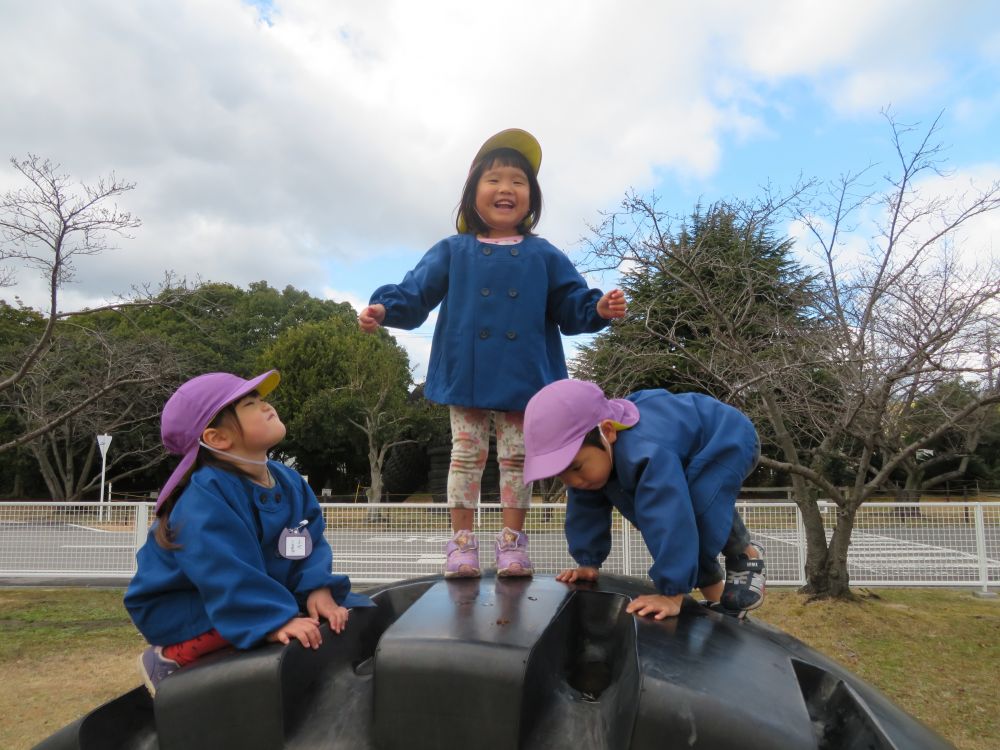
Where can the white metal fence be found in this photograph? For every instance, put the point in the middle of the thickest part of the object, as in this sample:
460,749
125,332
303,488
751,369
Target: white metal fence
893,544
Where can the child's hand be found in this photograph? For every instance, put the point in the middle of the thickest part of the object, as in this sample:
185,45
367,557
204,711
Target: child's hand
583,573
612,305
321,604
371,318
305,629
658,605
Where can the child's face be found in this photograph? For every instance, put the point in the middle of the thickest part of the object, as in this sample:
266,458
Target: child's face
259,423
591,467
503,197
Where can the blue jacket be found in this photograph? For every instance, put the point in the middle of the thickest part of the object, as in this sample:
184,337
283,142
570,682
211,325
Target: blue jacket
675,477
227,573
496,342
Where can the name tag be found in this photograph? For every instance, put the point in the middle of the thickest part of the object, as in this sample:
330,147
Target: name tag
295,544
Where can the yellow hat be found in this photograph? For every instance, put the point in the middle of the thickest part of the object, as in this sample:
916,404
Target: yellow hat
521,141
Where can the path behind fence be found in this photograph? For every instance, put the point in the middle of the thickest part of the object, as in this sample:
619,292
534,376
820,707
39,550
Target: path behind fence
893,544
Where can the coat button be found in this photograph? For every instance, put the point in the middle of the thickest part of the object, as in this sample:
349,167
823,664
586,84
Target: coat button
511,293
484,333
485,291
515,252
487,251
511,335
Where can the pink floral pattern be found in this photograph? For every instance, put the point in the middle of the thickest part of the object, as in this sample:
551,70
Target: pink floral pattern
470,440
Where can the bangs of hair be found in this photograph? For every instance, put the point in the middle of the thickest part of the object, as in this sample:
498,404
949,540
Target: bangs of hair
505,157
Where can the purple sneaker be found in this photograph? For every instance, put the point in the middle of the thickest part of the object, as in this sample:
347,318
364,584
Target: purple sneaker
512,554
154,666
462,553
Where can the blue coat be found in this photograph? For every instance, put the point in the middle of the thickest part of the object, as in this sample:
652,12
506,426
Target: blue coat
227,573
497,339
675,477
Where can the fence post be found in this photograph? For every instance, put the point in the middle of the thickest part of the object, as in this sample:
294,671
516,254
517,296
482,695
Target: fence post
800,539
626,548
984,572
141,525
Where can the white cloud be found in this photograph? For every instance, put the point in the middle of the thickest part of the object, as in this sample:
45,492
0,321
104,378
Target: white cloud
340,295
871,89
858,55
342,132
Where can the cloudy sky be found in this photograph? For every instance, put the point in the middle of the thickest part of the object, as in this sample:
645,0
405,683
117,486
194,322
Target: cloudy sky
323,144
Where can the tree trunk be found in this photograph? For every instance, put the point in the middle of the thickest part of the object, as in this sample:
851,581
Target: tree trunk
826,570
45,468
817,552
376,457
375,488
838,583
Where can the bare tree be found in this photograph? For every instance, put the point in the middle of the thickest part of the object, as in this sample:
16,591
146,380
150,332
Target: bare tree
379,399
45,226
78,363
833,383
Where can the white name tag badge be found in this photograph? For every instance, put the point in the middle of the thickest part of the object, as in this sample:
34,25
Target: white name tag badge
295,544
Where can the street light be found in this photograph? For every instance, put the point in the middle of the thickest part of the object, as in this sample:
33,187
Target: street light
103,441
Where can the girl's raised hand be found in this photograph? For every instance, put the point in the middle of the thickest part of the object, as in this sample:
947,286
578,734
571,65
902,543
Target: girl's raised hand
305,629
583,573
371,318
612,305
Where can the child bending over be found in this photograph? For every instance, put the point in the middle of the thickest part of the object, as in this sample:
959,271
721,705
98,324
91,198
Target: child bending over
672,464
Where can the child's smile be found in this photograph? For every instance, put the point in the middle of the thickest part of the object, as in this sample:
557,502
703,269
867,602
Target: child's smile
503,198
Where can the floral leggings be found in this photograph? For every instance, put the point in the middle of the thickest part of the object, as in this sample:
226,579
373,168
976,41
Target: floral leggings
470,443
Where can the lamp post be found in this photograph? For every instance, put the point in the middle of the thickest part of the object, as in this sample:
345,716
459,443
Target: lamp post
103,441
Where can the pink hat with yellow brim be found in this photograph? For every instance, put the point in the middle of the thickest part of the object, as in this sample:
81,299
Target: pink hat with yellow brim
558,418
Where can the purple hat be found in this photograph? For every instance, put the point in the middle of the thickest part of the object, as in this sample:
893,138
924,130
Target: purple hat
193,407
557,419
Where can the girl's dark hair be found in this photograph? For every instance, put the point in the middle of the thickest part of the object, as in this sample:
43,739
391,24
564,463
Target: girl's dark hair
593,438
165,535
501,157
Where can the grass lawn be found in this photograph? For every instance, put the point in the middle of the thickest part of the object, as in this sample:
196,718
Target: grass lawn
933,651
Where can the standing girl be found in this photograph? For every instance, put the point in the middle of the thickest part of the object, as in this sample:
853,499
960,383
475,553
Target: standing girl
505,296
236,555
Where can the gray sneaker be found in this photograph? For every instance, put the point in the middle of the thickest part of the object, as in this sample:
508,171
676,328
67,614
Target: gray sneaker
154,666
746,581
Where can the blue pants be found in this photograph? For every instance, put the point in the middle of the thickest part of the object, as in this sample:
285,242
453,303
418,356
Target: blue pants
709,570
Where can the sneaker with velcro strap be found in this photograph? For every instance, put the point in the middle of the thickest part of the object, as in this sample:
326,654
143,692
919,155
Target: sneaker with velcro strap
746,581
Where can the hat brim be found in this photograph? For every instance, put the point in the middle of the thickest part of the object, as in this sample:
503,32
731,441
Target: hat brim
520,140
263,384
551,464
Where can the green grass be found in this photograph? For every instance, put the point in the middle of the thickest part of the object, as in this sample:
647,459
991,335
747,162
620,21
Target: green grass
933,651
62,652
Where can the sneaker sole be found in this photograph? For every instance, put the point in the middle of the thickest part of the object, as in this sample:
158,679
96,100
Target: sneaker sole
519,573
469,573
145,677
